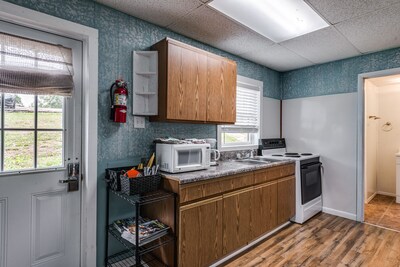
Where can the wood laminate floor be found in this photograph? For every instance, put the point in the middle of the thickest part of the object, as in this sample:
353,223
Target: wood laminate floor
326,240
383,211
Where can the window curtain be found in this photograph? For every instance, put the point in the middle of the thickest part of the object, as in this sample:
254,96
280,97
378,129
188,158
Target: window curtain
33,67
247,111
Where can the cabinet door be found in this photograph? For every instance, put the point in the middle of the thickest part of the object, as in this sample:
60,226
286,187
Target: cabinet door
187,81
200,233
264,209
286,199
237,219
221,94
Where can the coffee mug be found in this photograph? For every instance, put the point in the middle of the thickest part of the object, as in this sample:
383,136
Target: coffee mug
214,156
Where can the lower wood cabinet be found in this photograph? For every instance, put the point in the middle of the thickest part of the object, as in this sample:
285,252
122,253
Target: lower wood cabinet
286,199
200,232
264,209
217,217
236,219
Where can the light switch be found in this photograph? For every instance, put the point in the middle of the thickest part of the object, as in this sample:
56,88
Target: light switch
138,122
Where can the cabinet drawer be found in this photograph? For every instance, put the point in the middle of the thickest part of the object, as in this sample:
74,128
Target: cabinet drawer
214,187
273,173
238,181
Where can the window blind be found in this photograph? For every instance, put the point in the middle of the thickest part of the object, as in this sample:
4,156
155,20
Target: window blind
247,111
32,67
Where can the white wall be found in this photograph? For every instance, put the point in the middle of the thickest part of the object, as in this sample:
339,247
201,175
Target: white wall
371,140
389,142
270,119
327,125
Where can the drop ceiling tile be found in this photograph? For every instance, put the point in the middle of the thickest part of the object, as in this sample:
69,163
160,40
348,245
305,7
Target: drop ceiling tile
339,10
375,31
209,26
278,58
161,13
322,46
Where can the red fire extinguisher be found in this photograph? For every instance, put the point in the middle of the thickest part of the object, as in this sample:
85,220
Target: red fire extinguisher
118,101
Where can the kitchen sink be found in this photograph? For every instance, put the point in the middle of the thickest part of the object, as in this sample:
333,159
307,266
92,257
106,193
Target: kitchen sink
256,160
252,161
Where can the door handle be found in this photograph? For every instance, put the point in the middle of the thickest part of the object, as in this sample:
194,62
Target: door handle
73,177
66,181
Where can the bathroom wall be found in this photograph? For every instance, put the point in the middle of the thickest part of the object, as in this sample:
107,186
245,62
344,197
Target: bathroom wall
388,141
371,140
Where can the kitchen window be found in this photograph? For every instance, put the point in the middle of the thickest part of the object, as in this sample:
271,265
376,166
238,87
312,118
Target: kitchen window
244,134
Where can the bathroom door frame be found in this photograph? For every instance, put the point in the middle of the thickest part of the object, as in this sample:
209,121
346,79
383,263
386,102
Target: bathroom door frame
89,36
361,135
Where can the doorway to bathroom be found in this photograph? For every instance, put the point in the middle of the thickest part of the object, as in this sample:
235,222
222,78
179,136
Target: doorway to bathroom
381,151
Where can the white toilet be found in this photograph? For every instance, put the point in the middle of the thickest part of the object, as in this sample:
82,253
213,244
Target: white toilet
398,177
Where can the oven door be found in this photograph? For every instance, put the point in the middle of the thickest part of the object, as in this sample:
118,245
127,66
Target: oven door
310,181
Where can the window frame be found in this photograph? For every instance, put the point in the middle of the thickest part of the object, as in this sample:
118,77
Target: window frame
253,144
35,131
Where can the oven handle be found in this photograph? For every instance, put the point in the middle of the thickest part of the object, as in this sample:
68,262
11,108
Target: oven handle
305,167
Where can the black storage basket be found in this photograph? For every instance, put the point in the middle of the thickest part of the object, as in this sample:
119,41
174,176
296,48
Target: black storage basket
140,185
114,176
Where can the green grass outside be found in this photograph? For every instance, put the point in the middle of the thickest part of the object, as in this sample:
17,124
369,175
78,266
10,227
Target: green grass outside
19,145
26,120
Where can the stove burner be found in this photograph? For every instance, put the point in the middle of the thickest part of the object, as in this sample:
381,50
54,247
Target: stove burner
277,155
291,154
306,154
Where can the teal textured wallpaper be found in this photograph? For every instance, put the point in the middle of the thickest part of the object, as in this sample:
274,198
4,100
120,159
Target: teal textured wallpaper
336,77
119,35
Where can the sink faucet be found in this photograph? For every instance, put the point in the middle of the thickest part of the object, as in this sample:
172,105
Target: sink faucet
251,154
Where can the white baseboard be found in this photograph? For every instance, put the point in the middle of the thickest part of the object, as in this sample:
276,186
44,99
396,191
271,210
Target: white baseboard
370,198
386,194
340,213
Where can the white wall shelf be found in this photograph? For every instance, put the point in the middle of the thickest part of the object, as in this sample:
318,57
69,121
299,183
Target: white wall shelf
146,73
145,93
145,83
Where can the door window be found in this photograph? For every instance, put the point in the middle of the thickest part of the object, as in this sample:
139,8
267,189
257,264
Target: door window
32,132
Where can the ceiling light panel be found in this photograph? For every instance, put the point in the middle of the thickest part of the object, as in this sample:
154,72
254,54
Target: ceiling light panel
277,20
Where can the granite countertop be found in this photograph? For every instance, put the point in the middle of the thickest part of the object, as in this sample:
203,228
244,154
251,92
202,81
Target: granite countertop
224,168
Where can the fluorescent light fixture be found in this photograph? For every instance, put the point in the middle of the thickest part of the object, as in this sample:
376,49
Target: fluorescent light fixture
278,20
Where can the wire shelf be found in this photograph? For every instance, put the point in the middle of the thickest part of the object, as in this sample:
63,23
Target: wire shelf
143,249
144,199
127,259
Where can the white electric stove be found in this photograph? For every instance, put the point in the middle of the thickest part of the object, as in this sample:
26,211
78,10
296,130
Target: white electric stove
308,176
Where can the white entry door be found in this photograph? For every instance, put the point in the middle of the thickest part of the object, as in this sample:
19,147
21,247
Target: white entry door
40,221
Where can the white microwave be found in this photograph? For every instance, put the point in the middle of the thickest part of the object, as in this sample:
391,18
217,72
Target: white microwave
176,158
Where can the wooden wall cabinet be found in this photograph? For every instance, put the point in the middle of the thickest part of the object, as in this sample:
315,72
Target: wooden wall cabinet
194,85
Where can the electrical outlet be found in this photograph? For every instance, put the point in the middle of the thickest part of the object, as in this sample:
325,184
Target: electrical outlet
138,122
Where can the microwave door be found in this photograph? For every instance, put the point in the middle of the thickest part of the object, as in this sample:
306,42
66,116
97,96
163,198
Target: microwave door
189,158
